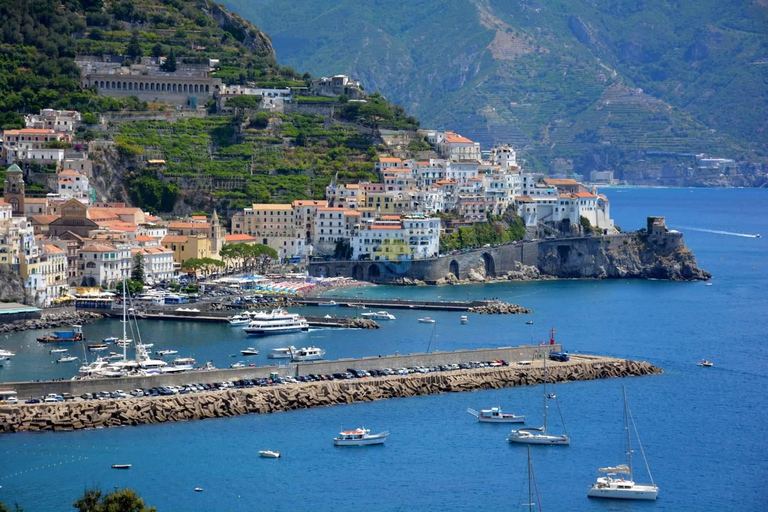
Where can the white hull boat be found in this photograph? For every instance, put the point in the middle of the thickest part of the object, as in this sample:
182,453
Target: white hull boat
250,351
464,320
308,354
57,351
269,454
276,322
426,320
237,320
379,315
360,437
281,353
494,415
66,359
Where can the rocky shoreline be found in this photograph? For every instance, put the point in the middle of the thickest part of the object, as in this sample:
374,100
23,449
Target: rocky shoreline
499,308
51,321
111,413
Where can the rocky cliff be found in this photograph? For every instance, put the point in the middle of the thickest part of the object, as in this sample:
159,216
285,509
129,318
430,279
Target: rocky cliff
635,255
12,287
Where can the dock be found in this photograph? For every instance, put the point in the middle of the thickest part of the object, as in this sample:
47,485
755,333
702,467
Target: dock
359,302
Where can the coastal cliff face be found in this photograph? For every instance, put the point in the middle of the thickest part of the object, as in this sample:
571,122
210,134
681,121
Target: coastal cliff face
636,255
12,287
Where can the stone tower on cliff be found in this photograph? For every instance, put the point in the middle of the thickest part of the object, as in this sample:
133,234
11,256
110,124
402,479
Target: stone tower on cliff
13,189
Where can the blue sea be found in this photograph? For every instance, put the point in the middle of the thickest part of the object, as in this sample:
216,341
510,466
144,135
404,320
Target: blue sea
703,429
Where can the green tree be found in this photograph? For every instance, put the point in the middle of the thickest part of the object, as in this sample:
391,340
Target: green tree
131,286
170,62
6,508
134,50
137,273
119,500
157,50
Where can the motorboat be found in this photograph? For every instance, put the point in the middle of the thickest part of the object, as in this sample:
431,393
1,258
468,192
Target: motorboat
250,351
276,322
186,363
614,486
539,435
708,284
198,489
124,343
495,415
427,320
145,345
360,437
113,356
308,354
97,347
166,352
529,322
121,466
66,359
57,351
706,363
7,354
238,320
76,334
109,340
330,304
239,364
281,353
208,366
269,454
378,315
464,319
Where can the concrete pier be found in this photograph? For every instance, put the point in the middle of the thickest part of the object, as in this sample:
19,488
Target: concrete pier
93,414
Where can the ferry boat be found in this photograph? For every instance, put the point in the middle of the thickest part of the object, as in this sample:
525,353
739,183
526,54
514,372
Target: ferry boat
494,415
276,322
76,334
250,351
360,437
308,354
331,304
184,362
281,353
379,315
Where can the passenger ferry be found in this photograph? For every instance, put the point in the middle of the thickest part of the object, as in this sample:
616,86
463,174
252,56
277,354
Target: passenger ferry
276,322
360,437
308,354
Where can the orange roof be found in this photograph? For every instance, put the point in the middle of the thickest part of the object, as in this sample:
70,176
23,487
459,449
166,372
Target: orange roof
145,238
43,219
268,206
445,182
98,248
560,181
70,172
331,209
175,238
151,218
29,130
239,238
189,225
454,139
397,169
199,217
52,249
351,212
309,203
35,200
389,160
524,199
585,195
475,179
384,226
390,217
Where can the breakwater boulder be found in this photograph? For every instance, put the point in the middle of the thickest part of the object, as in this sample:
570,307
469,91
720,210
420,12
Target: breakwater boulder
51,320
499,308
217,404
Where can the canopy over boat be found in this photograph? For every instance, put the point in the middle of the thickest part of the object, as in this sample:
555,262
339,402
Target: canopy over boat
620,469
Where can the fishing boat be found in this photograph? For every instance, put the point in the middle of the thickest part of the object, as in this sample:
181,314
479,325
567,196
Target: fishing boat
276,322
281,353
97,347
360,437
426,320
57,351
250,351
76,334
121,466
269,454
538,435
308,354
378,315
330,304
494,415
166,352
706,363
66,359
464,319
624,488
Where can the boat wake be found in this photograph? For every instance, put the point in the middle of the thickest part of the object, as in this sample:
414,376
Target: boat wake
716,232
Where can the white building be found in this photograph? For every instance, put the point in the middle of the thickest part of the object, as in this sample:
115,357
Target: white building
330,227
62,121
158,263
103,264
412,237
461,171
455,147
29,144
74,185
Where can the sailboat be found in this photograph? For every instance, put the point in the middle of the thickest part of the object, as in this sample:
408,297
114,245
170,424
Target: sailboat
532,505
538,435
612,485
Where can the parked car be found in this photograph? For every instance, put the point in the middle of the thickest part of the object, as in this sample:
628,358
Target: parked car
559,356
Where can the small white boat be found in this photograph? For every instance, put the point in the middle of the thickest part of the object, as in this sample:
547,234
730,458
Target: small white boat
709,284
110,340
97,347
113,356
269,454
464,319
250,351
144,345
66,359
360,437
198,489
184,361
494,415
281,353
57,351
308,354
427,320
166,352
706,363
378,315
123,343
331,304
239,364
237,320
529,322
121,466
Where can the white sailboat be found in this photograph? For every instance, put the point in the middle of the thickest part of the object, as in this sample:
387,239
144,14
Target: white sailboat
539,435
614,486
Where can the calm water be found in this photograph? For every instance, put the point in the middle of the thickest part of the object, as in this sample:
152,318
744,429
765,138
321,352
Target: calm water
702,429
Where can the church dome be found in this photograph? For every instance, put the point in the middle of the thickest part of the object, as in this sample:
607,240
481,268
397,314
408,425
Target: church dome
13,168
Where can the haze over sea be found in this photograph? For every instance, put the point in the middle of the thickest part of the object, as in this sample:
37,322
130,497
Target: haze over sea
703,429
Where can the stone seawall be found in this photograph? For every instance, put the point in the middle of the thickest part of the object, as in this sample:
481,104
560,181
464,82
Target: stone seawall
60,318
94,414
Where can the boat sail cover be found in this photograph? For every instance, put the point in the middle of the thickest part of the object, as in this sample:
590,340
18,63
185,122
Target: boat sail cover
621,468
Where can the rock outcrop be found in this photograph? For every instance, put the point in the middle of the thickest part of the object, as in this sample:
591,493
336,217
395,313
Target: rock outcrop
12,287
111,413
499,308
51,321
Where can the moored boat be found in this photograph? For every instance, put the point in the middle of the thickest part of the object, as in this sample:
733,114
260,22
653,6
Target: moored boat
269,454
250,351
166,352
76,334
97,347
276,322
706,363
308,354
237,320
360,437
378,315
110,339
329,304
66,359
495,415
57,351
121,466
281,353
464,319
427,320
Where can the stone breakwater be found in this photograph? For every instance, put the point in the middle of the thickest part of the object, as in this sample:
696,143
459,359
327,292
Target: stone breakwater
217,404
499,308
51,321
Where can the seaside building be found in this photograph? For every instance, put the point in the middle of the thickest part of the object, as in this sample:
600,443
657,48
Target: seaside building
104,264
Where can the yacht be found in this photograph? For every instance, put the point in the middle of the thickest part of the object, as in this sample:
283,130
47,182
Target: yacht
281,353
250,351
359,437
494,415
624,488
166,352
243,319
308,354
276,322
427,320
239,364
187,363
379,315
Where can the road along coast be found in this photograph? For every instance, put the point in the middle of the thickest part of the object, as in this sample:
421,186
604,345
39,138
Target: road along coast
76,415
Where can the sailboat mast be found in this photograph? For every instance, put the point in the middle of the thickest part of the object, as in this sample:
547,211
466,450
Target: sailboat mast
124,323
530,476
545,393
626,426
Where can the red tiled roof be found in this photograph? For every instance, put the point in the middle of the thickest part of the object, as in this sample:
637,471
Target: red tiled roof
239,238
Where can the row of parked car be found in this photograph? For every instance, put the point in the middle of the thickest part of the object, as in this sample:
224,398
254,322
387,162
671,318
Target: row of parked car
273,380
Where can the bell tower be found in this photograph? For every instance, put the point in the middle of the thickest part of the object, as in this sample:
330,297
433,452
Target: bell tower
13,190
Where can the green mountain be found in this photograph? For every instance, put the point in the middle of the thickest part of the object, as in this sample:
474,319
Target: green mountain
598,84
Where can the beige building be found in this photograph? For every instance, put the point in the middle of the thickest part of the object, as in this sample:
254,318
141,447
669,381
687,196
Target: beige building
273,225
185,247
